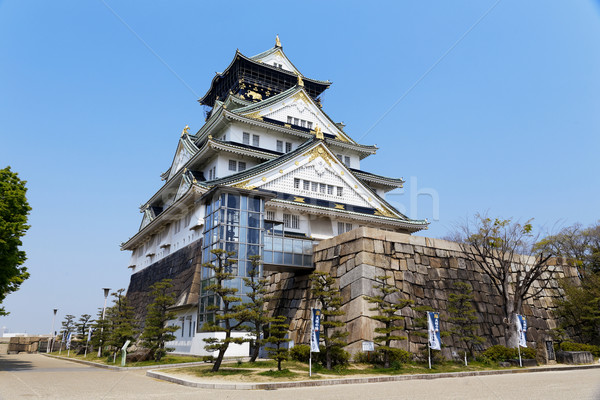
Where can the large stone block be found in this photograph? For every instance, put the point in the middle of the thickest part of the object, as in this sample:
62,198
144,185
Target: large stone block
360,271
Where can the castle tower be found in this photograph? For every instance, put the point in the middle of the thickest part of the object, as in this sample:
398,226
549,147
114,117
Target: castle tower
269,173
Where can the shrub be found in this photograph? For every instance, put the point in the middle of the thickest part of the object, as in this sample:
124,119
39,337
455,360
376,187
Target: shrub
300,352
339,356
397,356
502,353
570,346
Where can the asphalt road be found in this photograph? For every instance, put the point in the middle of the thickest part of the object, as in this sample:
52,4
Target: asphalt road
32,376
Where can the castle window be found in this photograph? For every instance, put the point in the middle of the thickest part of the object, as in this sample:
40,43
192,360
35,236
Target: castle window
314,186
322,187
303,123
296,183
291,221
344,227
241,166
339,156
329,189
288,147
347,161
280,146
271,215
290,119
296,121
246,138
306,185
232,165
255,140
340,191
309,124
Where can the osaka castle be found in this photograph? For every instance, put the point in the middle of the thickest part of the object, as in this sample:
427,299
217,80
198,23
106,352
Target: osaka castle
270,174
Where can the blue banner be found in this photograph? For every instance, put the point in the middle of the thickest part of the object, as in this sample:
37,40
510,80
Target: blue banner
522,330
433,325
315,330
69,340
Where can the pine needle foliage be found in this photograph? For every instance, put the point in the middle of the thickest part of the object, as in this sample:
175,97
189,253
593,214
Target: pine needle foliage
228,308
324,289
255,312
463,316
388,305
277,331
156,331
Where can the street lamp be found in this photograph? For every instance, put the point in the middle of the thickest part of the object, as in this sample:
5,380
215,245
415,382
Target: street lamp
106,290
51,339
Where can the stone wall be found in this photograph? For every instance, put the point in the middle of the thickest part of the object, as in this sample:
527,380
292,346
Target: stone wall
183,267
423,269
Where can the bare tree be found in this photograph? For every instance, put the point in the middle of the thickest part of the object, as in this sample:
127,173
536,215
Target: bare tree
509,254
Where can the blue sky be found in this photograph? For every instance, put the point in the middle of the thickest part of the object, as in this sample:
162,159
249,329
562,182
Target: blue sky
493,106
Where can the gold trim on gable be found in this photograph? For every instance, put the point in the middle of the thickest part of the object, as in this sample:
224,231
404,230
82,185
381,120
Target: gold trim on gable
320,152
340,207
299,199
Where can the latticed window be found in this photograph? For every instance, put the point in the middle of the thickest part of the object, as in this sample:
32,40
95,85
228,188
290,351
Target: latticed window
340,191
306,185
241,166
246,138
314,186
329,189
296,183
271,215
288,147
322,187
255,140
347,161
280,146
287,220
290,119
295,221
232,165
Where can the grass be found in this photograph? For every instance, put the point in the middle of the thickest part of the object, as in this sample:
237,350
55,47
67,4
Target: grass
284,373
108,360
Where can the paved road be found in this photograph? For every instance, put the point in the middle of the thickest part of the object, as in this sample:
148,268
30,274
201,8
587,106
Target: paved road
31,376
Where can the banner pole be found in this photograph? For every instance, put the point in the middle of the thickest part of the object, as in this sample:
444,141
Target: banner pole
429,351
520,361
311,344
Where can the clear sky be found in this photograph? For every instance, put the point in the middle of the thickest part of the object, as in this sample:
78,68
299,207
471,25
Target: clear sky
480,105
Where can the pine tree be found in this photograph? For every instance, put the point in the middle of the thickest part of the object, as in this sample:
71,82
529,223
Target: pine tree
228,309
255,312
277,331
83,325
323,288
102,329
122,322
388,309
156,331
68,325
462,315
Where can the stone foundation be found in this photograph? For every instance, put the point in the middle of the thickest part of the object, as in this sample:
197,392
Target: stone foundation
424,270
183,267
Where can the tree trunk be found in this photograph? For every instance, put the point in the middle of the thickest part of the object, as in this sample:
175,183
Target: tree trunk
255,352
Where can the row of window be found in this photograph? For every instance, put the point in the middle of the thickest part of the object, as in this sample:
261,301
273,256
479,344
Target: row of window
299,122
291,221
255,139
344,159
288,146
212,173
237,165
318,187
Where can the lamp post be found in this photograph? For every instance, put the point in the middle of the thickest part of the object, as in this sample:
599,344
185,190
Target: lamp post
106,290
51,340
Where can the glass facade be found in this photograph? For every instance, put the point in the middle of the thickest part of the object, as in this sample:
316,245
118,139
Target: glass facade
233,222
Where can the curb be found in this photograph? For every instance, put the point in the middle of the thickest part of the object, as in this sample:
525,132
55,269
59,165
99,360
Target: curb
115,368
351,381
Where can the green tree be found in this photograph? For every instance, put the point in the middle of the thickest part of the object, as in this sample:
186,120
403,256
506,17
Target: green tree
255,312
462,316
388,306
156,331
82,326
14,210
102,330
68,325
227,309
509,254
277,331
578,245
121,320
325,290
578,311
